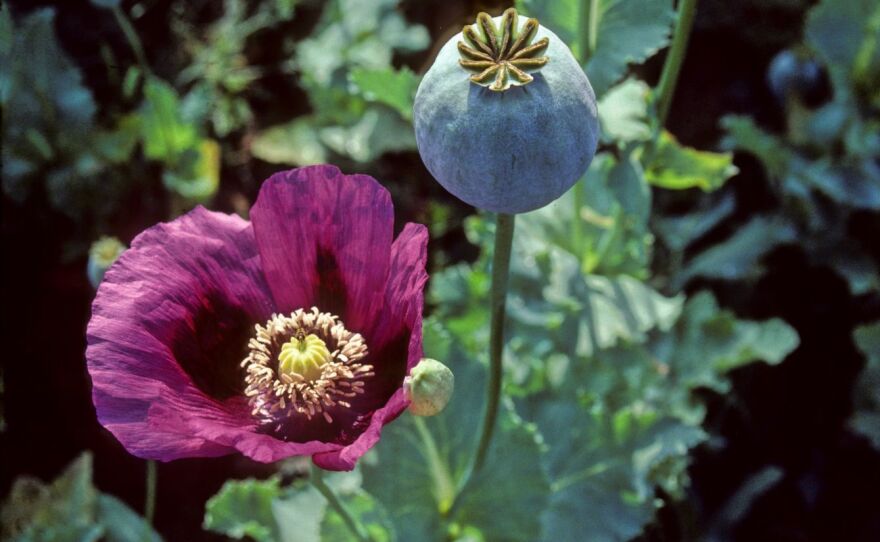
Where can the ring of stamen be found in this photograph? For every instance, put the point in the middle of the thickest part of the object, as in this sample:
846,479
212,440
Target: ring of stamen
303,364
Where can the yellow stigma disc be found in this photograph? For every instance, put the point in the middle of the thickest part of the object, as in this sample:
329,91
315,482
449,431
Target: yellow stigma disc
304,357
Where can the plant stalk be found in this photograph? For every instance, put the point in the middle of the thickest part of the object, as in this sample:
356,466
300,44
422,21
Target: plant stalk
150,499
131,36
500,274
588,28
687,10
317,479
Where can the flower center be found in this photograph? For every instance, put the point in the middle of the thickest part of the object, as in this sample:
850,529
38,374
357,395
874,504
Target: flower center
303,364
304,357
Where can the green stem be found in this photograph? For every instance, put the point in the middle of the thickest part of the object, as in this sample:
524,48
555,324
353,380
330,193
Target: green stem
443,484
317,479
131,36
150,500
500,273
588,28
577,233
687,9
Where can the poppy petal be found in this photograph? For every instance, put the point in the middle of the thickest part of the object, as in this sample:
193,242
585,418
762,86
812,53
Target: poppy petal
154,330
324,240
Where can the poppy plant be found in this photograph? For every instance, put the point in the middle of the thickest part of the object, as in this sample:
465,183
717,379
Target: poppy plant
287,335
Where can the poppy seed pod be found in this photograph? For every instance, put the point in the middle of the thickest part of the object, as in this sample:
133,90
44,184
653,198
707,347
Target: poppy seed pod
505,118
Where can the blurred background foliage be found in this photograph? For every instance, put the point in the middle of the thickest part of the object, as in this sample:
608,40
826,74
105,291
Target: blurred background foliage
692,329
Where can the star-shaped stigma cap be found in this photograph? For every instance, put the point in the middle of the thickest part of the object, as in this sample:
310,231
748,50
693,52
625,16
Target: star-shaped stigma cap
502,57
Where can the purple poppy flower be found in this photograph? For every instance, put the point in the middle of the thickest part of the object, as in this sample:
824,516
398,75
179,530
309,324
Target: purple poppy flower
287,335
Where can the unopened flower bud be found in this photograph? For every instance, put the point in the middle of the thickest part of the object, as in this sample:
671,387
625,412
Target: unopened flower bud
428,387
102,254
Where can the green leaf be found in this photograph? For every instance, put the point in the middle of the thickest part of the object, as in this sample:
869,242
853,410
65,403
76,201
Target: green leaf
707,342
121,523
675,166
744,134
196,177
377,132
421,461
70,509
265,511
604,466
838,30
628,32
609,207
623,113
394,88
605,310
295,143
560,16
677,232
622,421
367,511
739,256
244,508
165,135
866,419
856,185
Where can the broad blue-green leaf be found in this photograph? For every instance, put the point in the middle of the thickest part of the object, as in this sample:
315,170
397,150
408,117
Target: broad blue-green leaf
677,232
295,143
675,166
605,310
739,256
628,32
263,510
394,88
602,221
866,419
377,132
622,422
121,523
244,508
420,463
707,342
604,465
623,113
560,16
744,134
856,185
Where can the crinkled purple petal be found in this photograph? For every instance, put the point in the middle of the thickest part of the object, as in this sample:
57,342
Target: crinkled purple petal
402,315
404,291
166,323
230,424
324,240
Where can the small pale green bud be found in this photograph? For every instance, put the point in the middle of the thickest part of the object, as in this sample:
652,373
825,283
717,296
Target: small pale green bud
428,387
102,254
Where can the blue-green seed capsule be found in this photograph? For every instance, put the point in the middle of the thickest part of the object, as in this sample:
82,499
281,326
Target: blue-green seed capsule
505,118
